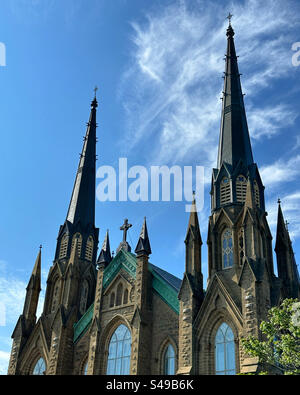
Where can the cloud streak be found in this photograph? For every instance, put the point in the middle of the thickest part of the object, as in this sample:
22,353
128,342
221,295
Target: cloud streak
175,76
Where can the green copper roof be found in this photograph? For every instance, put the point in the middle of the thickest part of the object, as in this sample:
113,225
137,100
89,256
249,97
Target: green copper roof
163,283
81,326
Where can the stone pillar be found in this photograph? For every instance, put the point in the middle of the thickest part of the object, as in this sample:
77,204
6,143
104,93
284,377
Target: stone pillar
94,352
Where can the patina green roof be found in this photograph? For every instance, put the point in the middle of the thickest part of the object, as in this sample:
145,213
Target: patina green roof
163,283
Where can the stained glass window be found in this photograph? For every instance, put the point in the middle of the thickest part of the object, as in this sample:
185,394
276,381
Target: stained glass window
119,352
169,360
40,368
85,368
227,248
225,351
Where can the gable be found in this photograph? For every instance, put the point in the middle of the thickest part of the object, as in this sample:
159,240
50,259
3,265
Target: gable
164,284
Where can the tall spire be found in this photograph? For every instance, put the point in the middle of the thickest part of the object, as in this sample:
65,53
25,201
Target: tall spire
234,142
193,225
33,290
82,204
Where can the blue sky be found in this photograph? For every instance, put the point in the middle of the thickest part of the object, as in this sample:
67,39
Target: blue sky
158,66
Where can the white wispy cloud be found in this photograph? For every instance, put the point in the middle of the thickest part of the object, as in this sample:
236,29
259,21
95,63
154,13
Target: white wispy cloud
4,360
281,171
268,121
175,75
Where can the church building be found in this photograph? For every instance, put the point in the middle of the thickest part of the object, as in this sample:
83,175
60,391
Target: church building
124,314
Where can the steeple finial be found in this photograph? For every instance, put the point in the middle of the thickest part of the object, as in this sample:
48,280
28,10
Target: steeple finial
229,17
95,102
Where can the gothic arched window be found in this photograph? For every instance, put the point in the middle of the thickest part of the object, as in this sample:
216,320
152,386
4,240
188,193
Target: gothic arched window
85,368
227,248
169,360
125,298
119,352
112,300
225,351
241,188
89,249
225,193
56,295
119,295
39,368
84,296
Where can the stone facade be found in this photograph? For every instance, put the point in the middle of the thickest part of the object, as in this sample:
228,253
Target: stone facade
169,325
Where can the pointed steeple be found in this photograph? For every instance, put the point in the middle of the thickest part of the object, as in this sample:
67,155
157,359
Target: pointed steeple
36,272
193,244
82,204
143,245
193,226
286,263
234,142
33,290
105,254
282,235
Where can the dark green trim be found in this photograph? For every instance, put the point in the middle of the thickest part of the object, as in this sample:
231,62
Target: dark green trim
82,325
127,261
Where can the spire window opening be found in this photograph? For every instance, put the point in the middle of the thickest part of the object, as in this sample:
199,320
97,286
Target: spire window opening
79,243
225,193
241,188
63,247
89,249
256,194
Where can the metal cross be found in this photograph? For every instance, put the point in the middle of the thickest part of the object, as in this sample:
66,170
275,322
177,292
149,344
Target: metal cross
287,225
229,18
125,228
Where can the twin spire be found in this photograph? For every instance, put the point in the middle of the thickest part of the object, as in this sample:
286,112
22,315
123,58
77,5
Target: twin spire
82,204
234,144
